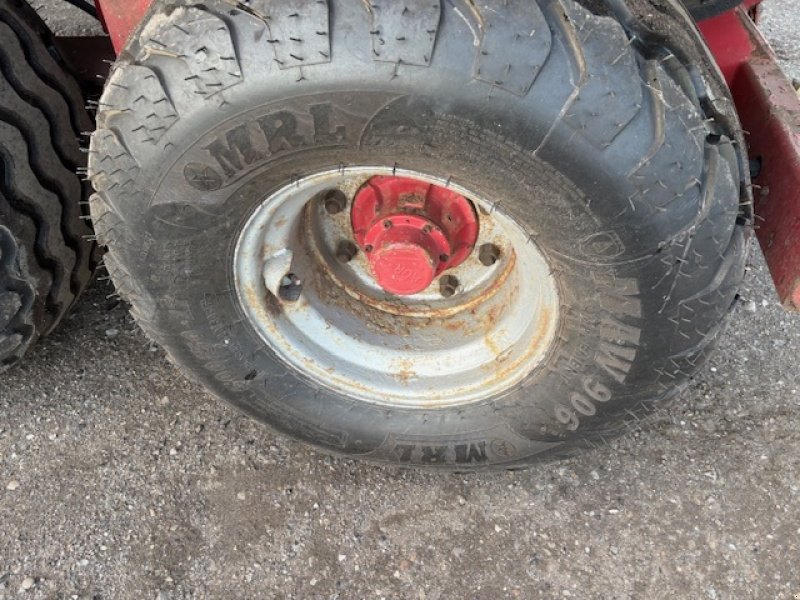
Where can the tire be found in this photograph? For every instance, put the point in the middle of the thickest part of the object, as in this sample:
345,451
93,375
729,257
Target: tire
608,152
46,260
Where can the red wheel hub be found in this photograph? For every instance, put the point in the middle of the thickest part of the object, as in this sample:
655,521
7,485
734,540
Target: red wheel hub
412,231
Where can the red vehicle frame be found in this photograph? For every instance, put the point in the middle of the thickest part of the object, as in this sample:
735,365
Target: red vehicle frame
767,103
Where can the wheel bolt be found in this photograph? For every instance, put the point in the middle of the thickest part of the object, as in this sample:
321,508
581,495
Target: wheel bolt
346,251
448,286
291,288
334,201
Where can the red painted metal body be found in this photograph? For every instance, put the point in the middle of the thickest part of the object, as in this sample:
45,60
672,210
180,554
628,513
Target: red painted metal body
767,103
120,18
769,108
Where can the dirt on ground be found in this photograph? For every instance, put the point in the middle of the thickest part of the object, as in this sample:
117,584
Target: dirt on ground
119,479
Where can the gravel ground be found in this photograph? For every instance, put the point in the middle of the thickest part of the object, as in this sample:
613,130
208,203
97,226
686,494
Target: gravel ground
781,24
118,479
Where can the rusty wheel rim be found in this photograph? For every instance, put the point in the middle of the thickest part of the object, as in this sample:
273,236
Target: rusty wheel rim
307,288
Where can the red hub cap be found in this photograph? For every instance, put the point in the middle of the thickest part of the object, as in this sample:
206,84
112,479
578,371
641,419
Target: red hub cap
412,231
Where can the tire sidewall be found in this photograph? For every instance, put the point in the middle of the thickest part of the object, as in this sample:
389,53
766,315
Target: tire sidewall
187,261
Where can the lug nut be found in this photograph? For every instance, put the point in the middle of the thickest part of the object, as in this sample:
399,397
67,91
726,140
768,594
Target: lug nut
291,288
488,254
334,202
346,251
448,286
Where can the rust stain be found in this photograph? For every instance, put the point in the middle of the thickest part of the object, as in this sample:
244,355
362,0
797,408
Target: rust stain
380,314
404,371
271,307
492,345
457,325
501,371
404,310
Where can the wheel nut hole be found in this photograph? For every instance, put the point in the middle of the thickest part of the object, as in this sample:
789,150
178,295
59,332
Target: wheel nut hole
334,201
346,251
448,286
291,288
488,254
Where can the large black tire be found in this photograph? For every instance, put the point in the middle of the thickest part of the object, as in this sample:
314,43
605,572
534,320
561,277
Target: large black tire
46,258
611,152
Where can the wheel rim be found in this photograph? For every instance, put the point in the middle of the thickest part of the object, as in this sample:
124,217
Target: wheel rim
306,284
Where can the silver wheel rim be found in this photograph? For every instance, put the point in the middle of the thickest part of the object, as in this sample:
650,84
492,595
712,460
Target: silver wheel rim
325,316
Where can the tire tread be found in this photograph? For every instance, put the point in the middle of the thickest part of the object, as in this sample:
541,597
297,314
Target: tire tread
41,120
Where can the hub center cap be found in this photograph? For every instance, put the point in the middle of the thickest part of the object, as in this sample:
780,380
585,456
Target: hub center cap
412,231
